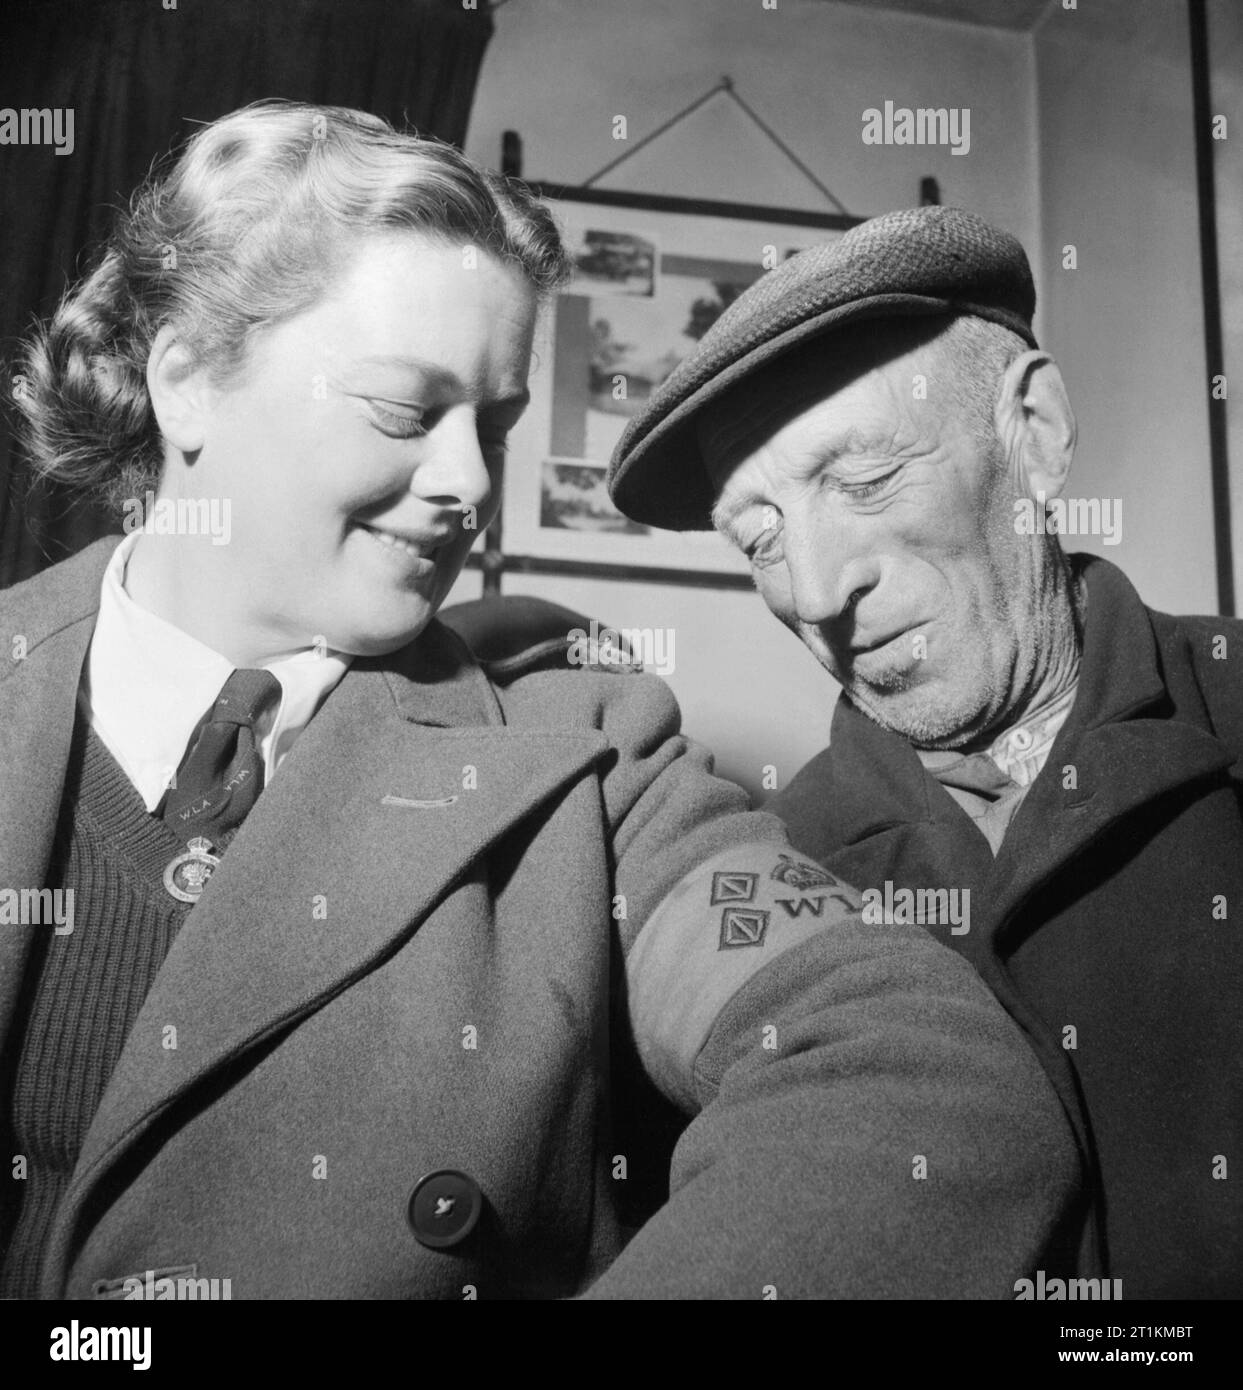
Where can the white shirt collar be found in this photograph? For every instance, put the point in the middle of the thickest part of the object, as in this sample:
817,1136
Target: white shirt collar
146,685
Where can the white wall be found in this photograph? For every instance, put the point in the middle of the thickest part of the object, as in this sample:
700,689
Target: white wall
1117,173
558,71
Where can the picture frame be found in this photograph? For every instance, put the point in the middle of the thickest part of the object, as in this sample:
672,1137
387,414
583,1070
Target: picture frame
652,273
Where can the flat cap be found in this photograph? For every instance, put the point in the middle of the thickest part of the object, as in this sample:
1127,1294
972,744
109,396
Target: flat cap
918,261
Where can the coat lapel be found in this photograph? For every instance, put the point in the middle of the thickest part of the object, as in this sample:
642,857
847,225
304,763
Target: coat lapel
1124,746
392,793
52,617
1117,769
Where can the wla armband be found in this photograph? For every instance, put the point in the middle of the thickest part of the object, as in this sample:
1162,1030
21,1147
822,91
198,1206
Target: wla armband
716,929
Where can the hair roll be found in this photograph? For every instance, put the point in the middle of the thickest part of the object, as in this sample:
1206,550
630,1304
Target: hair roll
244,229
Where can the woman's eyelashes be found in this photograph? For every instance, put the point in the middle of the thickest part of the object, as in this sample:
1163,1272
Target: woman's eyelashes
401,421
398,422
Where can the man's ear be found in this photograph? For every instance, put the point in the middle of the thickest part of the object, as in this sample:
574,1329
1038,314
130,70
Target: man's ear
1036,424
179,390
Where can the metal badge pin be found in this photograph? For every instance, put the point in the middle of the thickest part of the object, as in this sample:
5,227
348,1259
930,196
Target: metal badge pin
186,876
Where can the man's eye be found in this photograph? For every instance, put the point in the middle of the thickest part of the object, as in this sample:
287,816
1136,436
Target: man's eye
765,548
862,491
398,424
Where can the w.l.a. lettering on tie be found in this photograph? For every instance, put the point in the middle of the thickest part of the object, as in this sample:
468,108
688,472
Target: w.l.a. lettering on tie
219,779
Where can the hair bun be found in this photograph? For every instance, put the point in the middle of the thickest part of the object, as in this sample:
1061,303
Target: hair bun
82,391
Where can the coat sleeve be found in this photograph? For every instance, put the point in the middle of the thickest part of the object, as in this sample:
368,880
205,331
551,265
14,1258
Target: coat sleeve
867,1121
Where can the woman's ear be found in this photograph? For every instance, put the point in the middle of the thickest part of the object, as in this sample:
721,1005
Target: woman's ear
1036,423
179,390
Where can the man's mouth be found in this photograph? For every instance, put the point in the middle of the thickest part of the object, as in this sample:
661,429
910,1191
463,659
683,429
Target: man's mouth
876,644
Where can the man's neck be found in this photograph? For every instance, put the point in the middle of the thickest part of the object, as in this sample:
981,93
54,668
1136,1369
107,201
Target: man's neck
1060,641
1062,669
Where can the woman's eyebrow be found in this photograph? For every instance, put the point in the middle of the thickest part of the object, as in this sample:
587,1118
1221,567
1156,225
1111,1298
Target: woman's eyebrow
442,378
432,370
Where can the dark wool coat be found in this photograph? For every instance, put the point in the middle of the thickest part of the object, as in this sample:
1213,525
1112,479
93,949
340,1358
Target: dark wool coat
1109,923
488,855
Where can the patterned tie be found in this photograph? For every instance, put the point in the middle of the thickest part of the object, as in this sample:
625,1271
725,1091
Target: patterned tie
221,776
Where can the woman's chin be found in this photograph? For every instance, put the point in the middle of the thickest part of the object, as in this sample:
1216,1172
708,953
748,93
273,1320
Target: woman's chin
376,634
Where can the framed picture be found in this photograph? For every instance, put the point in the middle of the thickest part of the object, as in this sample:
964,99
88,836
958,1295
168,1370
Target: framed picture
652,274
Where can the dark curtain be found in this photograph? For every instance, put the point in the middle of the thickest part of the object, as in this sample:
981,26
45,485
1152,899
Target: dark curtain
138,76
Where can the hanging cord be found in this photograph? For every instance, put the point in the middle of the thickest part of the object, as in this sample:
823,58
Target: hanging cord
726,85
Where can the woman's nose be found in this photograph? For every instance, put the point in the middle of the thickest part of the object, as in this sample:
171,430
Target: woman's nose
453,471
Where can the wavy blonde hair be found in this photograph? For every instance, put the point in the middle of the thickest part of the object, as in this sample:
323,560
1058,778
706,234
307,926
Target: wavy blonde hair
246,228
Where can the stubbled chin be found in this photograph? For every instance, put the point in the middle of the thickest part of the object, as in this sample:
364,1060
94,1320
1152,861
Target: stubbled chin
902,697
925,722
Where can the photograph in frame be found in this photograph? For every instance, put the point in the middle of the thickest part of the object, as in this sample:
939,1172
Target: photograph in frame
651,276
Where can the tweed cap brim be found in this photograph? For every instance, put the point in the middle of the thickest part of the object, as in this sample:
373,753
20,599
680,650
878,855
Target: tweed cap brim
916,262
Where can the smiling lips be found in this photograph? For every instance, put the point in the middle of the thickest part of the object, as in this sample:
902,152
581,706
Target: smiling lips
419,546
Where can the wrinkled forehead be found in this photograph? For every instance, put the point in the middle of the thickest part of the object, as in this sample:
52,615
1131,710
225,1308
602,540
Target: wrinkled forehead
732,427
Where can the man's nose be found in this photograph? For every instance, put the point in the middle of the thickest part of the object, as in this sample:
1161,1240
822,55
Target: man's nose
828,569
452,471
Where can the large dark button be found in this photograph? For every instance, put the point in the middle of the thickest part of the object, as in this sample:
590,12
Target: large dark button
444,1208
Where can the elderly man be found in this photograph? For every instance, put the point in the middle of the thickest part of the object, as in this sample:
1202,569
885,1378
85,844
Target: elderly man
874,425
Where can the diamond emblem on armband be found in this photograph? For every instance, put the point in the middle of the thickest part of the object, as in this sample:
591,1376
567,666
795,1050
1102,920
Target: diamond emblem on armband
743,926
731,886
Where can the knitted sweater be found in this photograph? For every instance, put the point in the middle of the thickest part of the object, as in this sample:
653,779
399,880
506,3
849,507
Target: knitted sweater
82,991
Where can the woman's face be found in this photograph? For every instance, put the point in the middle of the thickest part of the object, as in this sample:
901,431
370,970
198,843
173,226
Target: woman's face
361,447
